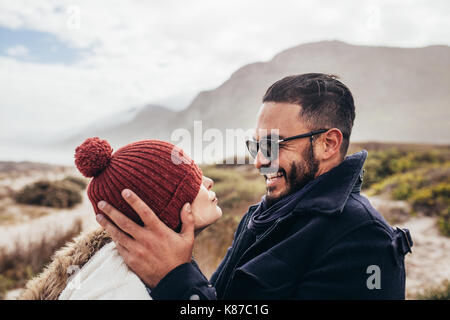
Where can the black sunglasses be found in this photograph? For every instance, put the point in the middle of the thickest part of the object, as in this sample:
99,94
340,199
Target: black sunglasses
270,146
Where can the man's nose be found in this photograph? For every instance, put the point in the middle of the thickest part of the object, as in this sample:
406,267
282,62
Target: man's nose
208,182
260,161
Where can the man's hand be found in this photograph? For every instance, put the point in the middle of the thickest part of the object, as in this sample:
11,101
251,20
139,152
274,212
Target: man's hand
153,250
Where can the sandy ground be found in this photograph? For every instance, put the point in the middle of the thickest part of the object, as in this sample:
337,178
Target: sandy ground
60,221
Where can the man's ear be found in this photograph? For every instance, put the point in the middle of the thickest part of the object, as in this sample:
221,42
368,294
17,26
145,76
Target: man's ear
329,144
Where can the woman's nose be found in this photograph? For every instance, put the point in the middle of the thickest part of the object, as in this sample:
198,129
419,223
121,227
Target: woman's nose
208,182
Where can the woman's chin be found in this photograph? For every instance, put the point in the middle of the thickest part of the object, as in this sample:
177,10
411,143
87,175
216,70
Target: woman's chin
203,226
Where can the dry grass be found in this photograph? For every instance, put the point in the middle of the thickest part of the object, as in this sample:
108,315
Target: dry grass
212,244
17,266
237,187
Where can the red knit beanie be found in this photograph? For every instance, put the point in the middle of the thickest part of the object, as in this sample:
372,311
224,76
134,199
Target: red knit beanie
161,174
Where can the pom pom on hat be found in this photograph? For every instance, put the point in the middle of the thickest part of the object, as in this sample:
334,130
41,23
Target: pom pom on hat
93,156
161,174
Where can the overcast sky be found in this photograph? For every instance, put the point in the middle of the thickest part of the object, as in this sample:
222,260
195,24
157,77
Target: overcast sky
64,64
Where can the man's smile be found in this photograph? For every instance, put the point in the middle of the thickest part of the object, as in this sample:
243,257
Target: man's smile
273,179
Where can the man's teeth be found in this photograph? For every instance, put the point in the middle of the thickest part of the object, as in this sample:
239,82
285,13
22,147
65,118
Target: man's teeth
274,175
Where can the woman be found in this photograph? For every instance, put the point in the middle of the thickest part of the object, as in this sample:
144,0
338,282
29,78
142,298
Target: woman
160,174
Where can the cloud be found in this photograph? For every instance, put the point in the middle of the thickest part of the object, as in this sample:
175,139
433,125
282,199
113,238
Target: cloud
17,51
136,52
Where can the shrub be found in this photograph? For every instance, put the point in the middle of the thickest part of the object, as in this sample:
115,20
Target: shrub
235,186
82,183
435,200
441,292
58,194
427,189
433,197
444,222
406,184
382,164
6,284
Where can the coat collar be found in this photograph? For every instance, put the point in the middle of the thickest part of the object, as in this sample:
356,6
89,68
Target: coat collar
51,282
328,193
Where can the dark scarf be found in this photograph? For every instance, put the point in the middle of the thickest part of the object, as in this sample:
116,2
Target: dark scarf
264,215
345,172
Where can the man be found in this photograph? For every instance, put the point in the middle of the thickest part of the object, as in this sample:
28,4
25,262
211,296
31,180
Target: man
313,236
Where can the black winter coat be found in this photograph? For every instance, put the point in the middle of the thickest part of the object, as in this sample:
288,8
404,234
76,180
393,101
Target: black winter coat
333,245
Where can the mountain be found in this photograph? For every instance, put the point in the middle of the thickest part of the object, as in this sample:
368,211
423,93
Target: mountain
23,166
148,122
401,94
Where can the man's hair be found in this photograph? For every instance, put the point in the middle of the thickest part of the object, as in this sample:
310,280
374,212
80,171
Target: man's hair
325,102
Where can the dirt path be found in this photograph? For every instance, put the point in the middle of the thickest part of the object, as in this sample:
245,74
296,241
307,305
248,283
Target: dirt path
59,221
429,263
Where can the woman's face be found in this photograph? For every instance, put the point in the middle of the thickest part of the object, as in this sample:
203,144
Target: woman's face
204,207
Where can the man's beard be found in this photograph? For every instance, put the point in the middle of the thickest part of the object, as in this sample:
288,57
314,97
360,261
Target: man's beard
300,174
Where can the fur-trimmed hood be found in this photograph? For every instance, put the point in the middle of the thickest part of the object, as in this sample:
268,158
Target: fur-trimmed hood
52,281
